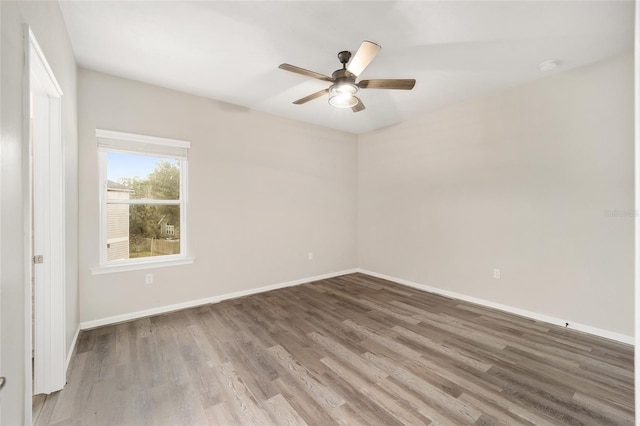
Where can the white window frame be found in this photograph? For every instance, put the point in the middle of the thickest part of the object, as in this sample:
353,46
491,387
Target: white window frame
129,143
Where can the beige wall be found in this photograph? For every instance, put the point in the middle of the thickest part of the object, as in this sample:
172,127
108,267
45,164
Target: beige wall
264,191
522,180
48,26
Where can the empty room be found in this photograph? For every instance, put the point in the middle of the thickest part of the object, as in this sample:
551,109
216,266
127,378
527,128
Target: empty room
318,212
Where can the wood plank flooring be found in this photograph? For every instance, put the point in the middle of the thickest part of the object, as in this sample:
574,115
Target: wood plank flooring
349,350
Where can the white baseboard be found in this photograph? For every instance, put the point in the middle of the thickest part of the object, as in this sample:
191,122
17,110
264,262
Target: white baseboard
72,348
208,300
533,315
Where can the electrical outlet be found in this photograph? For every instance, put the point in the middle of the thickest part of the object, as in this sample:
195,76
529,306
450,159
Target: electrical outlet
148,279
496,273
310,255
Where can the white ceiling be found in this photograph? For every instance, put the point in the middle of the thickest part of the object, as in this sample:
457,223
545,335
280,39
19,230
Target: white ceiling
230,51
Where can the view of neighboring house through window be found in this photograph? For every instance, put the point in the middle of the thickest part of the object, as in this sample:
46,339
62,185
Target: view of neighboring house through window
143,197
117,222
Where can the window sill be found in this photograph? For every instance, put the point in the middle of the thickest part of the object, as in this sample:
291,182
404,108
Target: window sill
152,264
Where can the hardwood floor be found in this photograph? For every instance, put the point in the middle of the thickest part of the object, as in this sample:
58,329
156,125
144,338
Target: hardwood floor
348,350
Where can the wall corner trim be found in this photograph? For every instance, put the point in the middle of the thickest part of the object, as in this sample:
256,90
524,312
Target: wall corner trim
623,338
208,300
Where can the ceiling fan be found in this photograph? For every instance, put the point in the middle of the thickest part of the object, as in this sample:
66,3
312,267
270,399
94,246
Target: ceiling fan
342,93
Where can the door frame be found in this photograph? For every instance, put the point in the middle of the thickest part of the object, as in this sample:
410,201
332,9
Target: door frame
49,326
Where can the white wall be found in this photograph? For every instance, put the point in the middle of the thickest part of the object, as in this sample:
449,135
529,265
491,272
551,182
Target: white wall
264,191
520,180
48,26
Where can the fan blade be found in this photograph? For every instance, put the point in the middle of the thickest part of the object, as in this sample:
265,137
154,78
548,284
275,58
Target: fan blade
311,97
359,106
398,84
304,72
363,57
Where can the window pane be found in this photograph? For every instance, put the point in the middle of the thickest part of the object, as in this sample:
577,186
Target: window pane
143,230
142,177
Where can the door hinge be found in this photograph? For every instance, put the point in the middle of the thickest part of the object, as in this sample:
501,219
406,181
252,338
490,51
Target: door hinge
38,259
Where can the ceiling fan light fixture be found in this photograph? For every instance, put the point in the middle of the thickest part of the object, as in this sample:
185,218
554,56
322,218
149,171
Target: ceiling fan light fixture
342,95
343,101
345,88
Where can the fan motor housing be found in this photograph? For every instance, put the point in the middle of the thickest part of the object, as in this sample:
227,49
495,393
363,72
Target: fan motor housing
343,75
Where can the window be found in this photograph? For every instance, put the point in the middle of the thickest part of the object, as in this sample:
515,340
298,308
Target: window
143,200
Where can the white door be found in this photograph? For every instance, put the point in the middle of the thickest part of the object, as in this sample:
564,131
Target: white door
46,258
